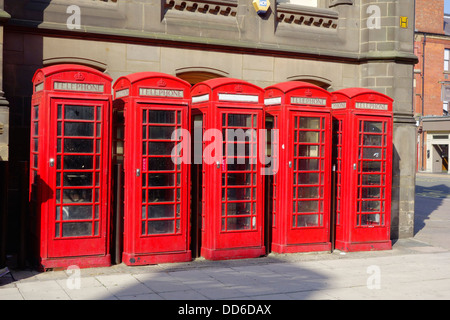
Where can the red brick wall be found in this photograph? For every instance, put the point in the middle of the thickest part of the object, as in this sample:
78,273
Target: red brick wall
430,16
434,74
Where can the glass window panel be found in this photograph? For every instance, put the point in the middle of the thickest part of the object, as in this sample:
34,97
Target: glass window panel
77,195
160,148
239,167
161,179
371,166
161,211
78,162
369,206
161,116
78,112
308,164
144,116
308,151
308,136
238,223
78,129
57,230
372,140
36,128
309,123
160,195
308,192
307,206
308,178
370,219
371,179
309,220
372,153
367,193
238,208
238,194
240,120
36,145
76,229
238,149
76,212
160,226
77,179
236,179
373,126
78,146
160,132
160,164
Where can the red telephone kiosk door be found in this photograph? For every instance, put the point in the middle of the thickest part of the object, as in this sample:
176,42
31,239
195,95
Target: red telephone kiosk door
230,113
301,188
69,162
156,191
362,154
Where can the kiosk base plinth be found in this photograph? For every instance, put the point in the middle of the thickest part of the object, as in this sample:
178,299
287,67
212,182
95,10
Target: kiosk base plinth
233,253
80,262
298,248
133,259
363,246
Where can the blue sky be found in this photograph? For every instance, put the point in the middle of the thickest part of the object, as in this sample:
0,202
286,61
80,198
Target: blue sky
447,6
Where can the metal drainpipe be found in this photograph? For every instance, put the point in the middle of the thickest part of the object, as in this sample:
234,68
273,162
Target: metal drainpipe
423,100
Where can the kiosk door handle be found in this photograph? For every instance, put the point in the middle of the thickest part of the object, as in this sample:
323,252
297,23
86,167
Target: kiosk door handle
138,172
290,164
51,162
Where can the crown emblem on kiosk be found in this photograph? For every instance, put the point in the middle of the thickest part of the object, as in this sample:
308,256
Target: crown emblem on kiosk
308,93
161,83
238,88
79,76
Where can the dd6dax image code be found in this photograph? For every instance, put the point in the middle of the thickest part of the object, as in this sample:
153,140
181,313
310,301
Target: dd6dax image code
225,309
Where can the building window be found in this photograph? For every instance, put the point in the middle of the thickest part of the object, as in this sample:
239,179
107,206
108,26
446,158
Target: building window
445,107
446,59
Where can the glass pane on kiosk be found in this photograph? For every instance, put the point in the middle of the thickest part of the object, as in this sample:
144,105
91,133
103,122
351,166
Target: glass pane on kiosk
161,176
372,164
239,172
308,171
78,170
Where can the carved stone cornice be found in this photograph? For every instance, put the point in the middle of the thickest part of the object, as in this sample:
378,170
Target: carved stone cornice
222,7
307,16
334,3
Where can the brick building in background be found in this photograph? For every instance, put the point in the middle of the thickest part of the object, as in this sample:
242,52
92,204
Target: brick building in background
432,85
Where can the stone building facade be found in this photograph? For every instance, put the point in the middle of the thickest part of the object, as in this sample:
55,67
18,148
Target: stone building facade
332,43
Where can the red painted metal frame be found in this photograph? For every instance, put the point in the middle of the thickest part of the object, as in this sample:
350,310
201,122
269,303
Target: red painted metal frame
362,128
144,96
298,202
223,101
53,150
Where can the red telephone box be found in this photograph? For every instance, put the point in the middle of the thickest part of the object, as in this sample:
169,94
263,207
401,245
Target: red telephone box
301,186
69,165
362,156
156,191
228,113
